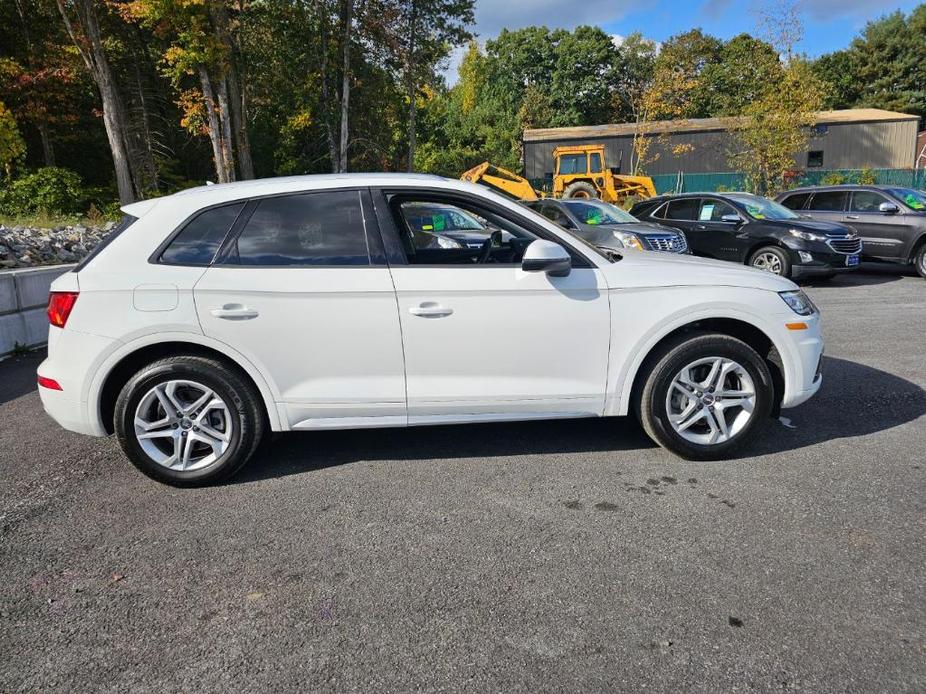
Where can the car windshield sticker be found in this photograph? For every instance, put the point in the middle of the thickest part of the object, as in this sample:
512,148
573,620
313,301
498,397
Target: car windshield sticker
593,217
913,203
755,211
438,222
707,212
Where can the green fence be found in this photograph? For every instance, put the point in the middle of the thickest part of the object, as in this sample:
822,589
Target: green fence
710,182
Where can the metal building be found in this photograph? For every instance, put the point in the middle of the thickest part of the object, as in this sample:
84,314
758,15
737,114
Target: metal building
850,139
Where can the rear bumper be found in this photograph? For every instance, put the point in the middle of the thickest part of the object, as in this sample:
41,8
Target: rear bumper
72,360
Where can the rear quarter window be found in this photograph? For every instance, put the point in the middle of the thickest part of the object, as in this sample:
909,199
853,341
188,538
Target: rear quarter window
795,201
200,238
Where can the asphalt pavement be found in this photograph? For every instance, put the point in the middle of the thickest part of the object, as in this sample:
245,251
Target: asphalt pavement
543,556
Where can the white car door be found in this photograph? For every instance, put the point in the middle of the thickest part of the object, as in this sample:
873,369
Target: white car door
301,289
487,340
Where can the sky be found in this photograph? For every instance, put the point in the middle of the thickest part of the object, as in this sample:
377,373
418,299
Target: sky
828,24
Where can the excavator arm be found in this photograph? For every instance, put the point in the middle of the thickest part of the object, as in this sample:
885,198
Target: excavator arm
502,181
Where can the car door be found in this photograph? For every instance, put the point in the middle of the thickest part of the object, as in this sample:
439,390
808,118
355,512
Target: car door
828,205
487,340
302,290
884,234
682,214
724,237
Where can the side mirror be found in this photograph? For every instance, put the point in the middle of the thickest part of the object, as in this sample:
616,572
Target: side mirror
548,257
888,208
733,218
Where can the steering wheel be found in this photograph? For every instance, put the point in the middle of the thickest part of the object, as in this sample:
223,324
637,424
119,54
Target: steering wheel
485,251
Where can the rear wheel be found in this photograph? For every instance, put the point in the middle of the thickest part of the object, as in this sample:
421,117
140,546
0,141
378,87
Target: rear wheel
772,259
580,190
188,421
919,261
704,396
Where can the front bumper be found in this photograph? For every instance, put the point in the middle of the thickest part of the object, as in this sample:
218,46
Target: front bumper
823,260
805,374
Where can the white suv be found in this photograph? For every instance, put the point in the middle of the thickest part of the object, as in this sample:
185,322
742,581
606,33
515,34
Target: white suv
214,315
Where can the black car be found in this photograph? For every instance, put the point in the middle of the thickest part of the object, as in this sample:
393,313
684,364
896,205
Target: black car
891,220
607,226
753,230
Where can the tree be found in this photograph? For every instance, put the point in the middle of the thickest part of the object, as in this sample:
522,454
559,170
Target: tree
636,63
776,126
83,26
743,70
12,145
426,29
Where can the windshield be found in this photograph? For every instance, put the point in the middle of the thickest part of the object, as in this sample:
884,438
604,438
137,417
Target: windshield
914,199
595,213
763,208
438,219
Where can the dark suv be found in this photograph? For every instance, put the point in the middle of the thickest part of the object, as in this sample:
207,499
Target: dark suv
890,219
753,230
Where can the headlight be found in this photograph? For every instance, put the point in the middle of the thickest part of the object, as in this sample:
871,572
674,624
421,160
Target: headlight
443,242
806,235
799,302
628,240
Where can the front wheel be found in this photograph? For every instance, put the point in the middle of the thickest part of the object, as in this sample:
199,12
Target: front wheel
772,259
188,420
580,190
704,396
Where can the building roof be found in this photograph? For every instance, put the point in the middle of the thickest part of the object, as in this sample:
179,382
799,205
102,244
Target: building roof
854,115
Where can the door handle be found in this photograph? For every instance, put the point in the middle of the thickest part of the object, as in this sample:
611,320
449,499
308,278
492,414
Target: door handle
700,226
430,309
852,216
234,312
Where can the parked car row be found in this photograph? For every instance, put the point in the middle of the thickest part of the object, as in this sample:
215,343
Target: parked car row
814,232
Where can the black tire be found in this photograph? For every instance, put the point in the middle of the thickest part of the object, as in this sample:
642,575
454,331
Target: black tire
581,190
659,372
782,256
246,423
919,261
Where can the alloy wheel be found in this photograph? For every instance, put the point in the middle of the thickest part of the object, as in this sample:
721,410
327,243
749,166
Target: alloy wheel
183,425
710,400
768,262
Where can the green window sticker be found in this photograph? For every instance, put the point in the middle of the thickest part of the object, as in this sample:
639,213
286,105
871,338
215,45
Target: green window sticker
438,222
913,203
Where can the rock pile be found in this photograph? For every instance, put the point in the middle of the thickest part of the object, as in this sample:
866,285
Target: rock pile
31,247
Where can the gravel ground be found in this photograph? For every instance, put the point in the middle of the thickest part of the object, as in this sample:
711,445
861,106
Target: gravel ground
568,555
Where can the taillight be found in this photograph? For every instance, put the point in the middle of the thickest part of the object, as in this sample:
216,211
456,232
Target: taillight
60,305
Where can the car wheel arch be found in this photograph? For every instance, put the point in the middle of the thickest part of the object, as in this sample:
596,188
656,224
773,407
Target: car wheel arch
737,327
132,357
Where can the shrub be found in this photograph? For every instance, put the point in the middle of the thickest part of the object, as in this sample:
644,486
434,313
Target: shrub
867,177
51,190
833,178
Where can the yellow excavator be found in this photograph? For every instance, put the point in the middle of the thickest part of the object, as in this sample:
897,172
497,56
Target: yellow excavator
580,173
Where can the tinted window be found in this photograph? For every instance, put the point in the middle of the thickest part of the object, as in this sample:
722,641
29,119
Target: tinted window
829,201
572,163
815,159
595,160
198,242
307,229
686,208
796,201
554,214
866,201
714,210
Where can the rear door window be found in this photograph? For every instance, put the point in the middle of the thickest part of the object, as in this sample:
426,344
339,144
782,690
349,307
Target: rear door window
796,201
829,201
685,209
323,228
198,241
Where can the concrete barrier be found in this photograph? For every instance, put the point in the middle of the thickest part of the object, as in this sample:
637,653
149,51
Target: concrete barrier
23,298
